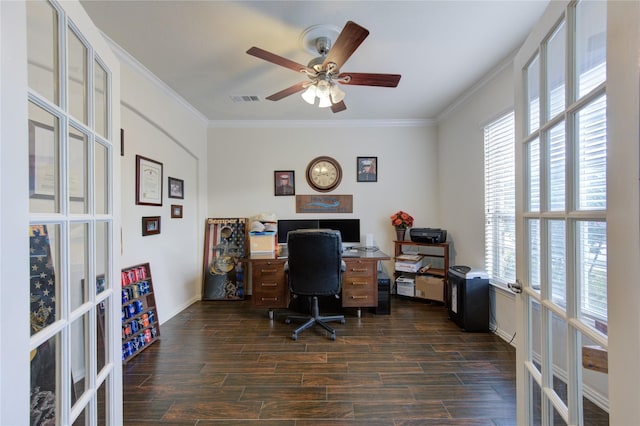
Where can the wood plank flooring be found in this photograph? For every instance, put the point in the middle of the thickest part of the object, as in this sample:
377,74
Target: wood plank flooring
226,363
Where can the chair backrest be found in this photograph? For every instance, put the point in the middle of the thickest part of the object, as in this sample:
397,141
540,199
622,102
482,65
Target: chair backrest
314,262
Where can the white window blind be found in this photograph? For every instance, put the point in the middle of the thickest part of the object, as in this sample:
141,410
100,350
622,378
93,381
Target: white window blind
500,199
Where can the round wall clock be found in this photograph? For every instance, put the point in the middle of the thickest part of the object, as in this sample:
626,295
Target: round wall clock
324,174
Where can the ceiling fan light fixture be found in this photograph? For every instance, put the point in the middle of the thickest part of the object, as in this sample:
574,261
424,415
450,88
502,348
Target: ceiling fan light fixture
309,95
323,89
324,102
337,95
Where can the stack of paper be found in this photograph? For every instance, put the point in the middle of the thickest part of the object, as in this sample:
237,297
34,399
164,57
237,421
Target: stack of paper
408,262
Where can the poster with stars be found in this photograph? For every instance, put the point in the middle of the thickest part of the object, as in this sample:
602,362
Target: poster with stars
42,314
224,244
43,280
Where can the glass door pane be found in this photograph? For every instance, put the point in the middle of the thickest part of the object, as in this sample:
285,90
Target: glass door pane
590,45
557,263
533,95
556,71
44,268
101,178
100,105
42,50
591,123
79,264
44,161
533,176
77,172
556,150
77,76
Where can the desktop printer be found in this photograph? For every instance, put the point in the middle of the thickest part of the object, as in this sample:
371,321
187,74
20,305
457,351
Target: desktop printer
428,235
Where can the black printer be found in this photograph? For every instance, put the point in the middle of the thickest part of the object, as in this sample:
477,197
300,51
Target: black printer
428,235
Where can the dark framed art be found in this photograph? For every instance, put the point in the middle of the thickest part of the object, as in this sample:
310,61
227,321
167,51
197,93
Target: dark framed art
284,182
148,181
367,169
150,225
224,248
176,211
176,188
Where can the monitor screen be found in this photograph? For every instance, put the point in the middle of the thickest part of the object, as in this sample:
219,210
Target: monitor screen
349,228
286,225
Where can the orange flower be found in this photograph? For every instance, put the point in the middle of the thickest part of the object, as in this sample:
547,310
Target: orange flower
401,220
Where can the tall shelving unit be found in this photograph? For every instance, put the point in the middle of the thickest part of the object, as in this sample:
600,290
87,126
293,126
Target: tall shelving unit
437,254
140,325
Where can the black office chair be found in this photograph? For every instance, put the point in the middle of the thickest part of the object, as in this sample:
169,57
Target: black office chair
315,269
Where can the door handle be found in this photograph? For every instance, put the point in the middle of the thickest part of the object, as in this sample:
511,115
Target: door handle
515,287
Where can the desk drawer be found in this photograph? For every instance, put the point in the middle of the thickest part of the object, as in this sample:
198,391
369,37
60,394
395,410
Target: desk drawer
359,268
358,293
269,284
358,289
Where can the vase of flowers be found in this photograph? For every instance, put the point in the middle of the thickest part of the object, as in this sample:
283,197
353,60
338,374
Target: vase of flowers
401,221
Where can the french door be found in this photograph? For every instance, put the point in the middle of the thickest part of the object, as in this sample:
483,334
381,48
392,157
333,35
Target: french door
70,263
561,168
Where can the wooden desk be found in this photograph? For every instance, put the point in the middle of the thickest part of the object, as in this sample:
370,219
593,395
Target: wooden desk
270,289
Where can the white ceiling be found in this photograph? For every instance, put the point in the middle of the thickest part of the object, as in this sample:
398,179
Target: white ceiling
197,48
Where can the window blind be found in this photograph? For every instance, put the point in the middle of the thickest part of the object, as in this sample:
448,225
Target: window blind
500,198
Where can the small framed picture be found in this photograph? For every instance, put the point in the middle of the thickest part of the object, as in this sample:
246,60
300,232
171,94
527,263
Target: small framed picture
367,169
176,211
176,188
284,182
150,225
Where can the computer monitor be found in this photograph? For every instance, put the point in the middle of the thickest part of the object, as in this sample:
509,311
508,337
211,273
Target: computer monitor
286,225
349,228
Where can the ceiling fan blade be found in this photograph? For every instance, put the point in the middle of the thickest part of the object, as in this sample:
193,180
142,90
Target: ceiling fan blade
340,106
369,79
350,38
278,60
298,87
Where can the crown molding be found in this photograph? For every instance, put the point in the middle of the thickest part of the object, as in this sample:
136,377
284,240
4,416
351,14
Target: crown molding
506,62
321,123
126,57
132,62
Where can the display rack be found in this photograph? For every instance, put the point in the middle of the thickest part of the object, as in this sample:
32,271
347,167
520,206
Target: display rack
140,324
434,279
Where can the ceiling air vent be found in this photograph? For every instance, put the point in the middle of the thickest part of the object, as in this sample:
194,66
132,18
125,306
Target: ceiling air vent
245,98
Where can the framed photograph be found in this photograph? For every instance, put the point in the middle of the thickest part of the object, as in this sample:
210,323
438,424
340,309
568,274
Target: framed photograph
148,181
150,225
284,182
367,169
176,188
176,211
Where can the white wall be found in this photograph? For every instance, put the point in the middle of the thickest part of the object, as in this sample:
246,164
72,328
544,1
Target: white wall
241,163
161,127
461,197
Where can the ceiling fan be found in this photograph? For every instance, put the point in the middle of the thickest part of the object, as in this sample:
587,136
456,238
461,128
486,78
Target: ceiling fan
323,72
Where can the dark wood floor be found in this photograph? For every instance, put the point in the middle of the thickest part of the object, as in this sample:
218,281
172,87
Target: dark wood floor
225,363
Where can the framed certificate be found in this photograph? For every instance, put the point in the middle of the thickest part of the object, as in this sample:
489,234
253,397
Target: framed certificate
148,181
